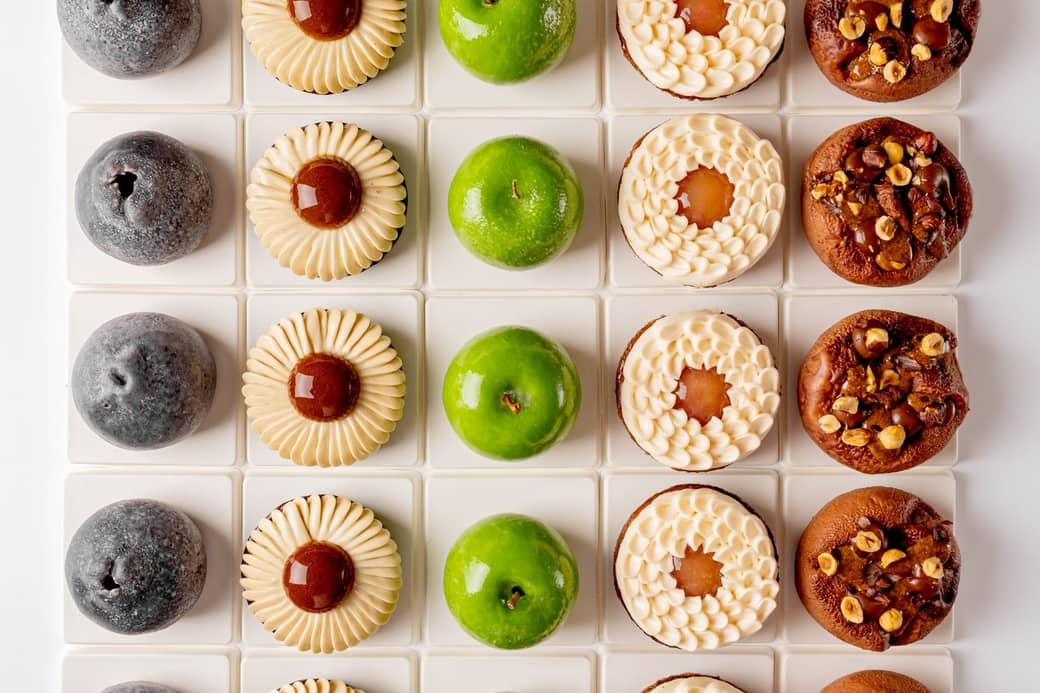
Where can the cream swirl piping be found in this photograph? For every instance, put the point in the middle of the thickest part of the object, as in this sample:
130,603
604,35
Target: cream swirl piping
694,684
323,67
317,686
716,523
698,339
662,237
693,65
335,520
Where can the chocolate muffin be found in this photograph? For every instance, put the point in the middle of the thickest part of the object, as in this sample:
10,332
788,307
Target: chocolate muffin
883,202
890,50
692,683
874,680
881,391
878,567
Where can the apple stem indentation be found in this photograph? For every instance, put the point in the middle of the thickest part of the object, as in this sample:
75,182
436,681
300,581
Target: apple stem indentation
511,403
516,191
517,595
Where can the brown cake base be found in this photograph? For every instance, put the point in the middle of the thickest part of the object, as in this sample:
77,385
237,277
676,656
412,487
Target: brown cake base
875,681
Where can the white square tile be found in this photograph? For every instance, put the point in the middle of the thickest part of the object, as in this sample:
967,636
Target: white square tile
207,78
217,320
572,321
400,316
386,673
624,492
402,266
215,138
394,89
566,502
804,493
186,673
451,266
811,671
627,271
394,498
574,85
805,318
626,315
210,501
749,669
514,672
804,268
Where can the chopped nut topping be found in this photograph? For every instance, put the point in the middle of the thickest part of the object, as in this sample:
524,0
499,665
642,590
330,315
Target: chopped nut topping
841,177
829,423
852,27
871,380
881,22
941,10
922,52
933,344
878,56
877,337
852,610
894,150
820,191
856,437
885,227
922,161
828,564
900,175
855,208
932,567
892,437
891,620
890,557
894,72
888,379
849,405
896,10
867,542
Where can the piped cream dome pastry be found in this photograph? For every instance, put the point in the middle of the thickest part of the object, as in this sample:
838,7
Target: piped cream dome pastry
328,200
697,390
696,568
701,49
321,574
317,686
692,683
701,199
324,46
324,387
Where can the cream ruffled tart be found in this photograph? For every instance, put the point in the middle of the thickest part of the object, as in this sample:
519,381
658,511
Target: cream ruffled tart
701,49
692,683
696,569
324,46
321,574
701,199
324,387
317,686
327,201
697,390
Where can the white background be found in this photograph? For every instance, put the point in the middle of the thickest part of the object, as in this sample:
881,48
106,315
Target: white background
999,471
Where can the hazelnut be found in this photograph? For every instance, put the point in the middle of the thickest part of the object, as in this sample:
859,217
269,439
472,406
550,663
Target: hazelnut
881,22
829,423
855,208
894,150
890,557
933,344
885,227
900,175
932,567
892,437
894,72
867,542
941,10
871,380
877,337
927,143
852,610
828,564
891,620
841,177
856,437
888,379
896,10
922,52
849,405
820,191
877,55
852,27
922,161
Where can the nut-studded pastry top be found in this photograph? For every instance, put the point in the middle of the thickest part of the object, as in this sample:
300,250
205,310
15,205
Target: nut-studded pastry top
878,567
317,686
701,49
696,568
883,202
324,46
881,391
697,390
692,683
321,574
889,50
327,201
701,199
324,387
874,680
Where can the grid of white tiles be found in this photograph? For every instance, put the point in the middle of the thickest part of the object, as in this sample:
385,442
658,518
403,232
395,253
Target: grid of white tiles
431,296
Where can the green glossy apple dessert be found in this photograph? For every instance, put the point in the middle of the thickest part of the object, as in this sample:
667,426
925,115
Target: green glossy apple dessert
510,581
507,41
511,393
515,203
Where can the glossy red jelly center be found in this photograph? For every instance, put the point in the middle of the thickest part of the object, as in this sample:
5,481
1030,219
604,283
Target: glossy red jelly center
318,576
705,196
702,393
324,387
697,573
706,17
326,20
326,193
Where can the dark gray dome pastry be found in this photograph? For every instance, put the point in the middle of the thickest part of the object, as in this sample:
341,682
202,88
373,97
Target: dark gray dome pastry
144,381
136,566
138,687
131,38
144,198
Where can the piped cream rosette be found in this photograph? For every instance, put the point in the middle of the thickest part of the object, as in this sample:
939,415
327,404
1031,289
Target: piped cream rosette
692,683
327,253
326,520
648,377
272,375
664,239
318,65
709,520
317,686
697,66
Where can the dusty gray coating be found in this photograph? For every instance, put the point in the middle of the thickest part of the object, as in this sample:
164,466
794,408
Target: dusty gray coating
136,566
144,381
131,38
138,687
144,198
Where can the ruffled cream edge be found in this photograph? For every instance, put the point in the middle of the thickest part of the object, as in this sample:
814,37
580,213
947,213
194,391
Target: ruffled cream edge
693,683
313,252
334,520
316,686
354,338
